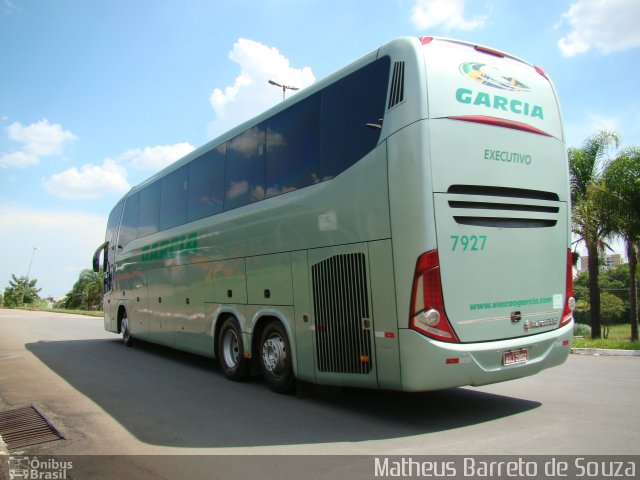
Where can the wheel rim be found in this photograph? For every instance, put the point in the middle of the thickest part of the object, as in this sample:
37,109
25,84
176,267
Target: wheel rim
230,348
125,328
274,354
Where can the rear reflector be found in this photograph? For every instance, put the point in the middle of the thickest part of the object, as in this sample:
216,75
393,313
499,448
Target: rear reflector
540,71
501,122
452,361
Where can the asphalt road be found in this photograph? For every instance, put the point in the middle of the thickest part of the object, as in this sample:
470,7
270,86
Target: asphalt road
108,399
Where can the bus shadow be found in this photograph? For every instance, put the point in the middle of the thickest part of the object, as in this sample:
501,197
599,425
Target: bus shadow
170,398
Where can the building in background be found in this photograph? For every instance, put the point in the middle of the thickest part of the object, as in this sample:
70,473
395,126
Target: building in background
606,262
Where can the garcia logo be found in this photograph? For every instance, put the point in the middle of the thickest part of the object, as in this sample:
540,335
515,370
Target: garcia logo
491,77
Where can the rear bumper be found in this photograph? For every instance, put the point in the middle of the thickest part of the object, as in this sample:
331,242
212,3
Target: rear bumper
424,363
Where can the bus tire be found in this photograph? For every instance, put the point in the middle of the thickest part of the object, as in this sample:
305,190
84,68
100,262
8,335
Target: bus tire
127,339
231,351
275,358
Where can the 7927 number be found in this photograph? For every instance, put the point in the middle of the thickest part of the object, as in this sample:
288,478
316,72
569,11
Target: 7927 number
472,243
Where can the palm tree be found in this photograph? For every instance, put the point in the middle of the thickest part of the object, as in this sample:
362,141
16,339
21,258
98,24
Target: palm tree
622,200
586,165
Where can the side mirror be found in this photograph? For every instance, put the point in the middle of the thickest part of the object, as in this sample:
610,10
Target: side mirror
96,256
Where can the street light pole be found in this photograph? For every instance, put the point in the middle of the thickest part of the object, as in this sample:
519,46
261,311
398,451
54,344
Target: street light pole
284,87
26,285
33,252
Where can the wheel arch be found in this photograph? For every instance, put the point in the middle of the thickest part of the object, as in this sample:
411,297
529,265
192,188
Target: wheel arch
122,310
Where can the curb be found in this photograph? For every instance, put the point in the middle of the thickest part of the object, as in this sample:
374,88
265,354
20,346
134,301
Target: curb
605,352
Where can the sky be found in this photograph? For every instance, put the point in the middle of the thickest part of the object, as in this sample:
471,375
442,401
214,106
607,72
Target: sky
97,96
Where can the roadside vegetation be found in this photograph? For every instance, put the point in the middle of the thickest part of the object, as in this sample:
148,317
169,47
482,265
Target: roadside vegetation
84,298
605,197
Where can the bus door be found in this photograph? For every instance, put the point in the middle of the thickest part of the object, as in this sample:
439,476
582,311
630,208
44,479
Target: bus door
343,321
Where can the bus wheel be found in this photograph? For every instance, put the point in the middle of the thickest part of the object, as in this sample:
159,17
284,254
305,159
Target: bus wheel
231,351
126,334
276,361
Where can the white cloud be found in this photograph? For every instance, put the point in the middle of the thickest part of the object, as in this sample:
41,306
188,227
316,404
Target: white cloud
606,26
155,158
40,139
448,14
18,159
92,181
250,93
89,182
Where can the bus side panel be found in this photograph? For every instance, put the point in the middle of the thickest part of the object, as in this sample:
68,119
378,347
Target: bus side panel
193,286
303,322
411,207
230,281
110,312
383,301
161,329
131,292
269,280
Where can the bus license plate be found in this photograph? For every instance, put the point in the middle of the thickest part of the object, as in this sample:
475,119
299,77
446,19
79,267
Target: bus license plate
517,356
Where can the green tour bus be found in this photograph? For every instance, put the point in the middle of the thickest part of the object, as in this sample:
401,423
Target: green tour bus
402,224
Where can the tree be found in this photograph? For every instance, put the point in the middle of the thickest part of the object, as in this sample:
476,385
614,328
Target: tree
622,204
86,293
21,291
589,222
612,311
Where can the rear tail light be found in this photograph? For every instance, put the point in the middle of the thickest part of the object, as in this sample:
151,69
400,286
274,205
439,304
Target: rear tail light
570,302
426,40
427,315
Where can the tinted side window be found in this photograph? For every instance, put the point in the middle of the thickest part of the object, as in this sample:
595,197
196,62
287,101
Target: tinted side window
149,215
173,199
245,168
114,221
347,106
206,184
293,147
129,226
112,230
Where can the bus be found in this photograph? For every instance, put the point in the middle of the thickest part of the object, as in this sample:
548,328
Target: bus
402,224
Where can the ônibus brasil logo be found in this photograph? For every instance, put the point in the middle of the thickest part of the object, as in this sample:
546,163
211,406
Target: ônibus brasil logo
491,77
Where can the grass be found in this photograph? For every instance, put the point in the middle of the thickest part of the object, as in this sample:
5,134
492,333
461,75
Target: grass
91,313
618,339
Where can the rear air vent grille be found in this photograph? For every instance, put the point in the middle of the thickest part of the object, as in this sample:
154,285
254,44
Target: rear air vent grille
503,192
341,309
503,206
524,208
396,95
505,222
